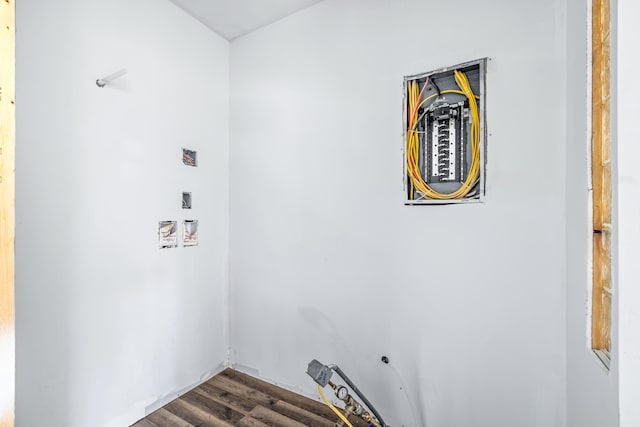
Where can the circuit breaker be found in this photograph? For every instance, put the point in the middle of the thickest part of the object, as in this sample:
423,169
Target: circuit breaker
444,129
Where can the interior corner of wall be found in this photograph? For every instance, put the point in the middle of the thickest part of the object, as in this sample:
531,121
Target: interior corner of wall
256,374
134,413
156,402
213,372
228,362
245,369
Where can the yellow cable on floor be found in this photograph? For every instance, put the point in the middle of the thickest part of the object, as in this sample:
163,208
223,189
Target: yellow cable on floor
333,408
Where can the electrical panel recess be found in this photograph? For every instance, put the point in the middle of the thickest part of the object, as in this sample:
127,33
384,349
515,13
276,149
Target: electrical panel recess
444,129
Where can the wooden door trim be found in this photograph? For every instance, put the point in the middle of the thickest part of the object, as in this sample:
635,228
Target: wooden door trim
7,213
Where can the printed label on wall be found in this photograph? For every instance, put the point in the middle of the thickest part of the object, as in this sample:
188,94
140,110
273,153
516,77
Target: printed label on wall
168,234
189,157
190,233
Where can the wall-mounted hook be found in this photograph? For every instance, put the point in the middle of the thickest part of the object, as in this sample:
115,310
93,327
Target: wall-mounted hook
103,81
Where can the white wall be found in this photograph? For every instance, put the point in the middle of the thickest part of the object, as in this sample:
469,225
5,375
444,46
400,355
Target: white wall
108,324
592,391
629,212
326,262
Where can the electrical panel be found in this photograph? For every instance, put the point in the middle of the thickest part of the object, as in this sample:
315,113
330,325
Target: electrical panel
444,129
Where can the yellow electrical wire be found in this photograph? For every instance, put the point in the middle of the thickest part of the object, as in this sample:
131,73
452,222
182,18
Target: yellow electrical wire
417,183
333,408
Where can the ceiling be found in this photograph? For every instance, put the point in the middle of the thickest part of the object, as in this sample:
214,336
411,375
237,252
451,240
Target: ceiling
234,18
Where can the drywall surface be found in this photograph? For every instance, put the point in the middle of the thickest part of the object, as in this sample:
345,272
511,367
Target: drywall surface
592,390
107,323
232,19
468,302
629,212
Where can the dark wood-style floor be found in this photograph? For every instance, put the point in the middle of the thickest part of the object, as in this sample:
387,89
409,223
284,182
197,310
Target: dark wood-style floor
236,399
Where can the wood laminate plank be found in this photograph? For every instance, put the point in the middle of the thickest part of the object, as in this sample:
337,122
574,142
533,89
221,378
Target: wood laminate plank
218,410
236,399
164,418
195,415
298,407
273,418
243,391
230,400
302,415
249,421
278,393
275,392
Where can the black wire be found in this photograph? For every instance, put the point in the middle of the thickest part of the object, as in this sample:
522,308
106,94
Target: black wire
355,389
433,82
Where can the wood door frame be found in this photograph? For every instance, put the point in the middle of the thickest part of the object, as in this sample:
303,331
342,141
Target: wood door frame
7,212
601,179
